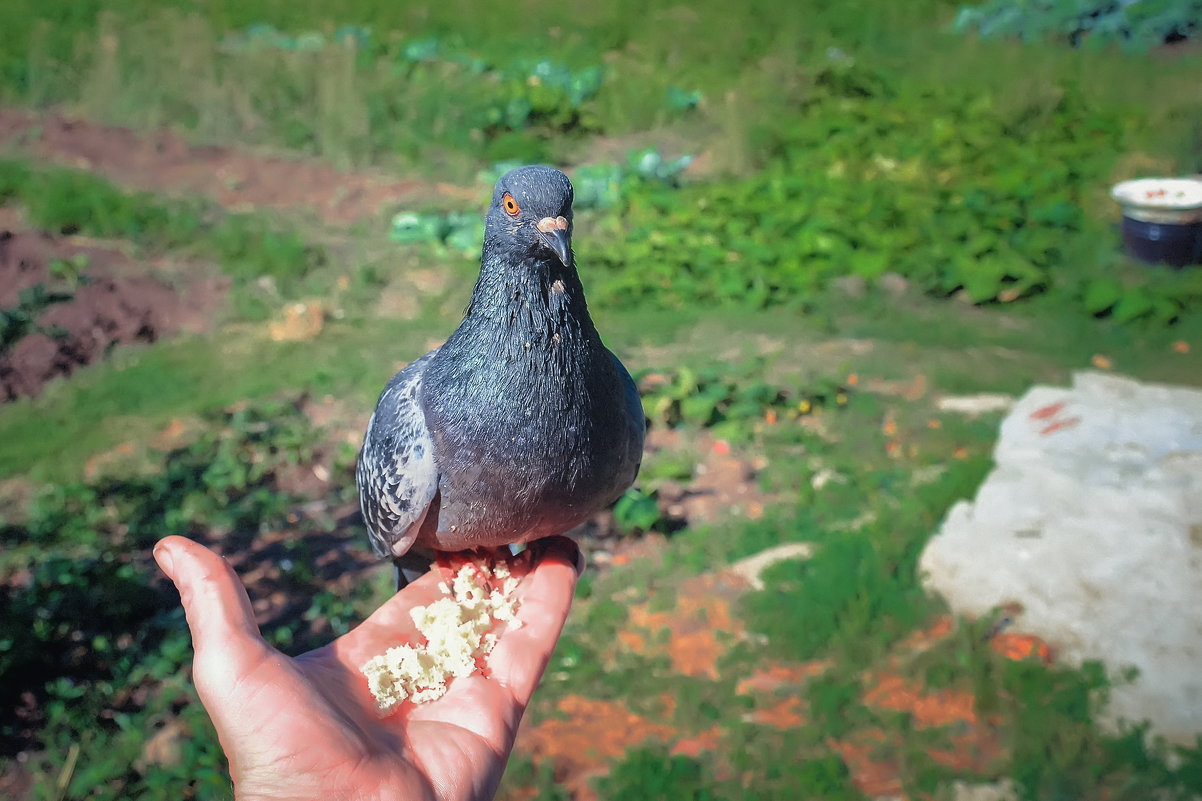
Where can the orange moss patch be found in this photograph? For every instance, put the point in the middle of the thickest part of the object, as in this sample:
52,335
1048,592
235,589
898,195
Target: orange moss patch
708,740
928,637
1022,646
592,735
695,653
977,749
872,773
785,715
632,641
970,743
778,675
122,454
939,708
703,609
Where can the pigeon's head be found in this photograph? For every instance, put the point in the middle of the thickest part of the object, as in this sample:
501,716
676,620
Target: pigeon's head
531,214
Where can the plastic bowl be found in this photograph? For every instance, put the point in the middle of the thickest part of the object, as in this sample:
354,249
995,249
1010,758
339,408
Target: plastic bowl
1162,219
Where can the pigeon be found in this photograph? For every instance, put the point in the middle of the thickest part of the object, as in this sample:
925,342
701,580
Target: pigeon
522,425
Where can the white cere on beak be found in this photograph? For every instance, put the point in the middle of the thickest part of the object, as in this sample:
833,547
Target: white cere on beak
549,224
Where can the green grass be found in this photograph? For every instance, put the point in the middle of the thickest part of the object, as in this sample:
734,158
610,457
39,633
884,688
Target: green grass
836,140
135,63
143,388
851,602
860,588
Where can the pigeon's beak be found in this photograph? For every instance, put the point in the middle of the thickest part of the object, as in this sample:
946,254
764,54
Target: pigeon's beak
554,233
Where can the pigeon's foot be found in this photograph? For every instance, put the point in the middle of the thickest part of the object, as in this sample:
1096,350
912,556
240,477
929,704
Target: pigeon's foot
411,566
491,566
480,562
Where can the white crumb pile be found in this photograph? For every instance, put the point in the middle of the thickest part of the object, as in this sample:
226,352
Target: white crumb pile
458,630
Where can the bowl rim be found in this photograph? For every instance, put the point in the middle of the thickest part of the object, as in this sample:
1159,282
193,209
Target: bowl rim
1120,193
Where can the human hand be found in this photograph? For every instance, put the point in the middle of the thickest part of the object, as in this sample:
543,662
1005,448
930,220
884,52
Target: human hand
307,727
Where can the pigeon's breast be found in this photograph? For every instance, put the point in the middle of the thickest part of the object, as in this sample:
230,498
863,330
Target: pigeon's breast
525,449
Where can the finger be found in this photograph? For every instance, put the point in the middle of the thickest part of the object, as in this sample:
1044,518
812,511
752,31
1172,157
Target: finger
521,655
224,633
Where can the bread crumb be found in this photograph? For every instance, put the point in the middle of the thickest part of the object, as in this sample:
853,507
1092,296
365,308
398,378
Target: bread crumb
457,630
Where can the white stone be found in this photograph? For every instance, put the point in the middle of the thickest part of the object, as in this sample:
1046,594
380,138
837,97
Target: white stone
1092,521
981,403
997,791
752,567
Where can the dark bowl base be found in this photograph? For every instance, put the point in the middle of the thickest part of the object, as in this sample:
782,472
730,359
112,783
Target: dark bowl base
1163,243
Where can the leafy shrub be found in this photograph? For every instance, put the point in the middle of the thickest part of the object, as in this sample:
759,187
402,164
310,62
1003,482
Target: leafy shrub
224,483
1143,292
93,644
75,618
955,192
1135,24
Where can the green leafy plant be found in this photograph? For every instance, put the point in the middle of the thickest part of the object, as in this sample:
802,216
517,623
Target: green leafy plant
1143,293
1138,25
729,401
89,635
637,510
955,193
21,320
655,775
71,271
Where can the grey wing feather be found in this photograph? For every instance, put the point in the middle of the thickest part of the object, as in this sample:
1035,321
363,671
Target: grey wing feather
396,473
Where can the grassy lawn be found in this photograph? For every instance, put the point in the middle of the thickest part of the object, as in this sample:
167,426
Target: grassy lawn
878,213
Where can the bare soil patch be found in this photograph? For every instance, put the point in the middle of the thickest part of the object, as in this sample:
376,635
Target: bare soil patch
163,161
112,301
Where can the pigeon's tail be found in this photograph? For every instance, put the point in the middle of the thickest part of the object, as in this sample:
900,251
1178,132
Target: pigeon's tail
409,568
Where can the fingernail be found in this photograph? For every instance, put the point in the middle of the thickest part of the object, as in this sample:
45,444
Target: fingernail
162,555
569,550
576,555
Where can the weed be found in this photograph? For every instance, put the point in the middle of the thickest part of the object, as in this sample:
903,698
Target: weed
637,510
538,779
86,629
21,320
729,401
654,775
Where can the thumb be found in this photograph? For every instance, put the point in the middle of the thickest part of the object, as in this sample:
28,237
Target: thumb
224,633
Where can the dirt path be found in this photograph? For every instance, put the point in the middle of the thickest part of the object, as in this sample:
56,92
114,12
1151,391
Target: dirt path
239,179
65,303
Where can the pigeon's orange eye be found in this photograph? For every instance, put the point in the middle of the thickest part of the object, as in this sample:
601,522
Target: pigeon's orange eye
511,205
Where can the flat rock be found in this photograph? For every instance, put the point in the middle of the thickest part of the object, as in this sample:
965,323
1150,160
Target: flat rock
981,403
1091,524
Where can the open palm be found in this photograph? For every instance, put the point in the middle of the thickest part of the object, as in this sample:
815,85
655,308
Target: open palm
307,727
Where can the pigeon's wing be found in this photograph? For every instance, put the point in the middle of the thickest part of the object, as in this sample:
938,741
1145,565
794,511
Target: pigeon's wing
396,473
634,410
